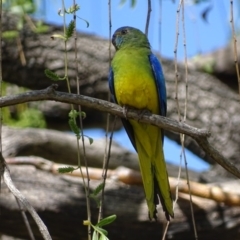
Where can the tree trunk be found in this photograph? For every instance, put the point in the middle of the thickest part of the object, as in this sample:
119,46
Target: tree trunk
60,202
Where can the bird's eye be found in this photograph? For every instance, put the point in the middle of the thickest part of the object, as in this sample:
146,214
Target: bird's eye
124,31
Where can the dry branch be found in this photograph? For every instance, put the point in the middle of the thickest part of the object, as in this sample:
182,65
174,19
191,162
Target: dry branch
9,183
132,177
200,135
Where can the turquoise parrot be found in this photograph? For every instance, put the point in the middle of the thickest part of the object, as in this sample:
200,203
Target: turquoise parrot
136,81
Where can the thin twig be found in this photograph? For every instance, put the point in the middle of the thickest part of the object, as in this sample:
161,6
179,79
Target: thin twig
24,216
189,192
177,102
165,230
160,29
175,60
86,186
105,170
234,45
186,64
8,181
148,17
105,157
21,52
182,136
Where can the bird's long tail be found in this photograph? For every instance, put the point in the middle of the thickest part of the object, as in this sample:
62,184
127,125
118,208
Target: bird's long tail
153,168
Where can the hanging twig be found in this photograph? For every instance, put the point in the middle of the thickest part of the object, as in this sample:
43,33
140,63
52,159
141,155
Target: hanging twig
105,170
107,143
175,60
182,136
234,45
148,17
86,186
24,216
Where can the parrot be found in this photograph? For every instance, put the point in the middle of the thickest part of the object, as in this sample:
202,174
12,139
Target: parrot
136,81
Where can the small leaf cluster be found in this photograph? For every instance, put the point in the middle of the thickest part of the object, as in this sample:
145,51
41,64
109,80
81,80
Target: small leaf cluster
73,114
99,233
22,8
68,34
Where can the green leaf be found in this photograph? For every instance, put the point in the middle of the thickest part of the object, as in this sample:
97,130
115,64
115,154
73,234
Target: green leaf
106,221
95,235
29,117
41,27
72,9
66,169
132,3
12,34
84,115
74,127
58,36
98,189
70,30
102,237
101,230
53,76
84,21
73,114
90,140
200,1
95,199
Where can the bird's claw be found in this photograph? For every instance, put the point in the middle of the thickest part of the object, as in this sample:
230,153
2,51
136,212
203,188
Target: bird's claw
142,112
125,110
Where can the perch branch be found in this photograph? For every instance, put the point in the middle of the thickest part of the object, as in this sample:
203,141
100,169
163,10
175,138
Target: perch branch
200,135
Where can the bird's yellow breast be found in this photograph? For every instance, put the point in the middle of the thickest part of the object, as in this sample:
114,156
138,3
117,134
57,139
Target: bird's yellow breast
134,81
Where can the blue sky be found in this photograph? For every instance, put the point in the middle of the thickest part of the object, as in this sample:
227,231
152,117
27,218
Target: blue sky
201,37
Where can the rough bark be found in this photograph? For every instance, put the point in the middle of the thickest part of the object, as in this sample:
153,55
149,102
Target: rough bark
211,105
60,201
61,147
220,63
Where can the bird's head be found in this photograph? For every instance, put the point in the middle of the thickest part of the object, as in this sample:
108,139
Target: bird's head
129,37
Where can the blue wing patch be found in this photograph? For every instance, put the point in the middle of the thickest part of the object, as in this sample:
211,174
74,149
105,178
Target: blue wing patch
160,83
161,87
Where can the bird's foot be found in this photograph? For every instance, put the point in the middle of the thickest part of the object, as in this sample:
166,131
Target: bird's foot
142,112
125,110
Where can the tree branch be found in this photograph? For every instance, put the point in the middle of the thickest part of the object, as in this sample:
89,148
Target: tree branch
8,181
200,135
129,176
